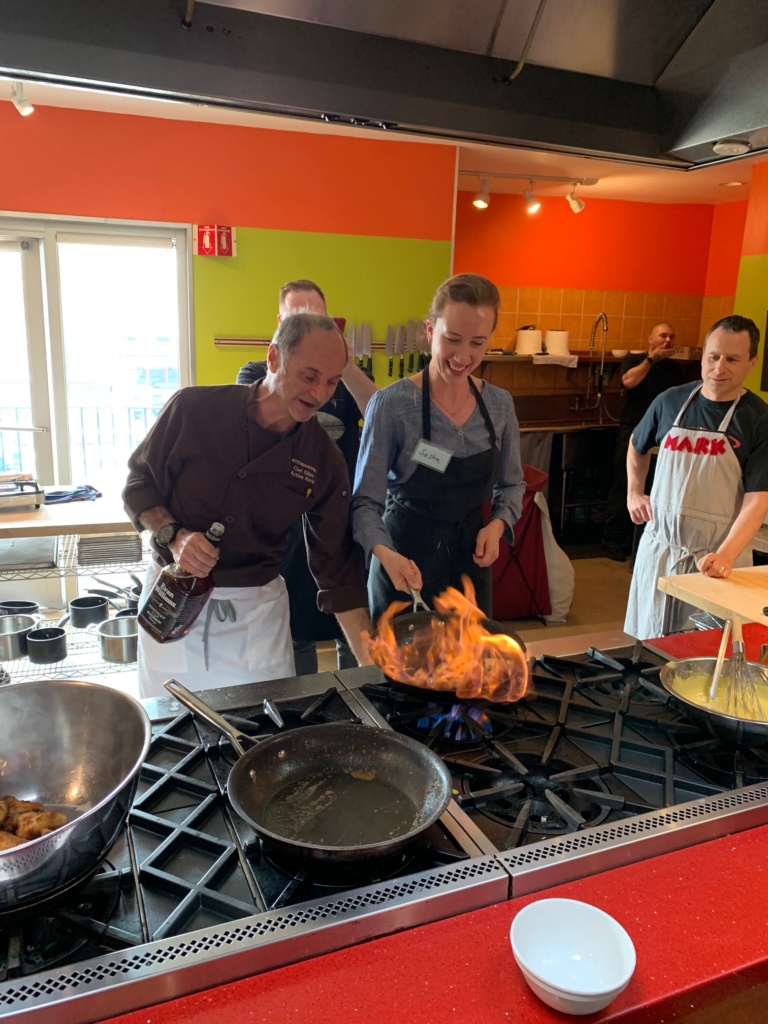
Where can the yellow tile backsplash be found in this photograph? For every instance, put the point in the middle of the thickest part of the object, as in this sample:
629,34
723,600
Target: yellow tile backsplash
631,315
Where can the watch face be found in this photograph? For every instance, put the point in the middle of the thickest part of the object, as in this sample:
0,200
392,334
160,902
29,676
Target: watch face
165,534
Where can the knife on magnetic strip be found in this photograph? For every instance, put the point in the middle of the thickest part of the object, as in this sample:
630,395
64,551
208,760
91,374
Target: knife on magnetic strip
400,346
389,347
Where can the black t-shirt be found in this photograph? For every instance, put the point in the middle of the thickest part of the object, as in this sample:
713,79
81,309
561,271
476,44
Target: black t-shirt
747,432
667,373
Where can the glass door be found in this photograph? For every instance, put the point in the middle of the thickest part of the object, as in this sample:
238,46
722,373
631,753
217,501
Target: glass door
121,347
25,440
94,330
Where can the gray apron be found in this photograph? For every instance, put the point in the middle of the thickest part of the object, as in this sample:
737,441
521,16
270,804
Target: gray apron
695,499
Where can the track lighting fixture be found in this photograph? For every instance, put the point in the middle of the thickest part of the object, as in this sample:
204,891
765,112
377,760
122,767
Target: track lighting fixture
532,204
576,204
23,105
482,198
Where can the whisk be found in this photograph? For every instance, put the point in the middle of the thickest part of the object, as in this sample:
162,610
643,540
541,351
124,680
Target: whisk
745,680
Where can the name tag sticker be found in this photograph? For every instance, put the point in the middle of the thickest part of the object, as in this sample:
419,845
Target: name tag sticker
431,456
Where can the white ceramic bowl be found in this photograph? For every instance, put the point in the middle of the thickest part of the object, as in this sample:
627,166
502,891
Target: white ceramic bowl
637,351
619,352
575,957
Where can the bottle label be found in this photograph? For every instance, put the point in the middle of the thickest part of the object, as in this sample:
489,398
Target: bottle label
168,613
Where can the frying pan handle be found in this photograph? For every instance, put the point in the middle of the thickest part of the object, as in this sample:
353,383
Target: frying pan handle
200,708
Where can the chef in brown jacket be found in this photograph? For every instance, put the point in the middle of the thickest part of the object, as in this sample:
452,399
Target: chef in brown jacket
256,460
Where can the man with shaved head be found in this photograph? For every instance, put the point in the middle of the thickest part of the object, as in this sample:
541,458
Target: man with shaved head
643,377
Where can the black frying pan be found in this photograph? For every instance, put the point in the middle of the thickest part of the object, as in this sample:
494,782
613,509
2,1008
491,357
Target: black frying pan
332,793
414,630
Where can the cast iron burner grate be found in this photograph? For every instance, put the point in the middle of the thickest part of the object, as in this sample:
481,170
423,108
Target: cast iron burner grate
729,767
533,798
83,922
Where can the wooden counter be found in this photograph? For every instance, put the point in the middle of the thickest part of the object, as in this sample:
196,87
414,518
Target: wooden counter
744,593
103,515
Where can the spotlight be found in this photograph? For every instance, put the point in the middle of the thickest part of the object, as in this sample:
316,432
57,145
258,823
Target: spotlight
576,204
532,204
482,198
731,147
23,105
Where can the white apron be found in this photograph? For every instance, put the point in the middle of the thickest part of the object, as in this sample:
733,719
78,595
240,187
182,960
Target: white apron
256,645
697,494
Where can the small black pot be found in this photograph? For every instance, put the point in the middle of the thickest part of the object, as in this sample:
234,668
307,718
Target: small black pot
47,645
19,608
85,611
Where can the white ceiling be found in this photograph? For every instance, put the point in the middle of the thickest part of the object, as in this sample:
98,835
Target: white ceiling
617,180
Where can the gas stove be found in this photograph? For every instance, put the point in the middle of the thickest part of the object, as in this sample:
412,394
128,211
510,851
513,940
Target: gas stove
596,767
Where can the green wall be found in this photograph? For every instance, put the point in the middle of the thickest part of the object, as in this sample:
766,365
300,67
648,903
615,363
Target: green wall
752,301
365,279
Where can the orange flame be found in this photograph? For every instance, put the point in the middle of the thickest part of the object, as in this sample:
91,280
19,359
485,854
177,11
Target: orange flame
452,651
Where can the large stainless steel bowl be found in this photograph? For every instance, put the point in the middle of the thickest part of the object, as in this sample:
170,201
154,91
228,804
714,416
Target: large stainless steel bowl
729,727
77,747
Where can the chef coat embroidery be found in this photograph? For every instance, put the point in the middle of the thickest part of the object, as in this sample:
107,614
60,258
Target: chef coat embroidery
703,446
303,471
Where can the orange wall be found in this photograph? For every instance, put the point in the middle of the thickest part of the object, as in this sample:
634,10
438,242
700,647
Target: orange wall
756,231
82,163
725,244
610,245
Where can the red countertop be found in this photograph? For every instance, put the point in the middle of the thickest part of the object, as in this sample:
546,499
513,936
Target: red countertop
698,919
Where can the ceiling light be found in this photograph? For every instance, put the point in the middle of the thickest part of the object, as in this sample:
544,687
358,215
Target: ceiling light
23,105
576,204
731,184
731,147
532,204
482,198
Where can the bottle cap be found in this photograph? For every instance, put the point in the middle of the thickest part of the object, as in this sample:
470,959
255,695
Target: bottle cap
215,531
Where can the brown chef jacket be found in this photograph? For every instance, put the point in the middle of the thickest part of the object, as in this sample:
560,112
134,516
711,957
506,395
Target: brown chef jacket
206,460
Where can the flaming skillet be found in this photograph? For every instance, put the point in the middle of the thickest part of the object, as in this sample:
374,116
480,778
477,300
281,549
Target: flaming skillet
332,793
414,630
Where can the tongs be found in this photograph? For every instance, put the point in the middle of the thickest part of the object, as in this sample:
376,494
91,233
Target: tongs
419,604
720,658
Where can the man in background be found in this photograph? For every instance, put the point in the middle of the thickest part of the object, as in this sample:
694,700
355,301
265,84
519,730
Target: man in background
710,492
340,418
643,377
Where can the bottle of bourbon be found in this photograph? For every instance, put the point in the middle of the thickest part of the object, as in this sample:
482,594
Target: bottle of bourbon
177,598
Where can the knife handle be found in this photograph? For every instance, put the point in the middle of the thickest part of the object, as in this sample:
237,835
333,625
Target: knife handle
410,362
391,361
402,366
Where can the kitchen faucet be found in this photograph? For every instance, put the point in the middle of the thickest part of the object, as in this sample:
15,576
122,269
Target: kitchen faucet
601,318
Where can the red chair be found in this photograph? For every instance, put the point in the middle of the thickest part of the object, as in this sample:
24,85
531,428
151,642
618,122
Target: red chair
520,581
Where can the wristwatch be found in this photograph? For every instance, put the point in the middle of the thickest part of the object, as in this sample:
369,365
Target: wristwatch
651,360
166,534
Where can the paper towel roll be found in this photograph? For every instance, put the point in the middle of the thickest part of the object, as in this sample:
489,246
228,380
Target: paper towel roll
528,343
557,343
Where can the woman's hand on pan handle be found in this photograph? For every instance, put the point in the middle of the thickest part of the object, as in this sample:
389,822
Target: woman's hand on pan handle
403,572
487,543
193,552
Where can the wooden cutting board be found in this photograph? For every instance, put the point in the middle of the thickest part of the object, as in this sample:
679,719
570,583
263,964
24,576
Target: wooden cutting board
744,593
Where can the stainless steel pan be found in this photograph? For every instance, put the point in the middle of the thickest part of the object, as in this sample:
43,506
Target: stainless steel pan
727,727
76,747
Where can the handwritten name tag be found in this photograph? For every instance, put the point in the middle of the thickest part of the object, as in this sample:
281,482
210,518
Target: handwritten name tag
431,456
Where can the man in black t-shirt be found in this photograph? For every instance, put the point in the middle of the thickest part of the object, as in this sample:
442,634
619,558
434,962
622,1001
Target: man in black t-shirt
643,377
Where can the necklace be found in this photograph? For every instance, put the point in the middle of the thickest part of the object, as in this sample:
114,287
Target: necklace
453,413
